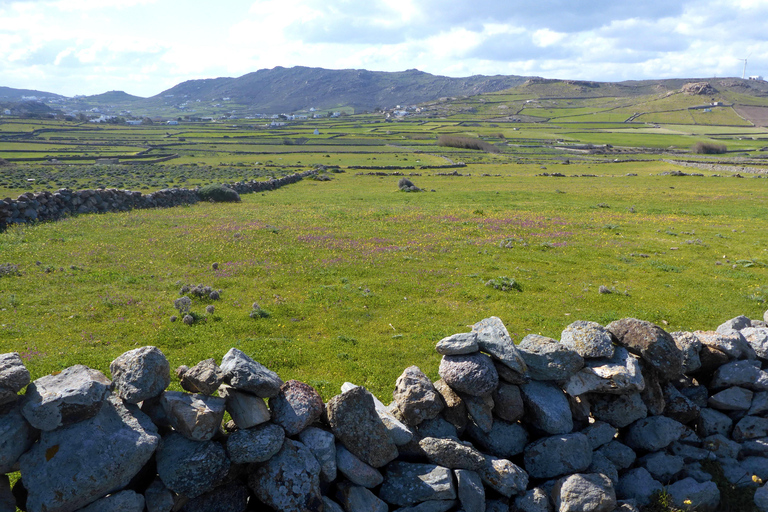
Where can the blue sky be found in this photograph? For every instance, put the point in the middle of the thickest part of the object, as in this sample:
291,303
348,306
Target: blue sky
146,46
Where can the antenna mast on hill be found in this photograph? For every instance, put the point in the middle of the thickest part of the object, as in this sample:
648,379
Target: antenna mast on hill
744,73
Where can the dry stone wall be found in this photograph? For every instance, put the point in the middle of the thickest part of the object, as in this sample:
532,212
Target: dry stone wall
594,422
48,206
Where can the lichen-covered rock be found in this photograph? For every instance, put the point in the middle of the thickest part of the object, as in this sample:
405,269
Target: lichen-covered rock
13,376
322,444
620,374
731,342
399,432
357,471
757,337
503,476
455,412
653,433
558,455
257,444
289,481
732,399
64,398
140,374
72,466
123,501
618,410
16,437
457,344
469,487
750,427
546,359
296,406
471,374
712,422
505,439
247,410
589,339
407,483
415,398
451,454
652,343
204,378
493,338
244,373
195,416
734,324
689,345
740,373
355,497
588,492
191,468
354,421
547,407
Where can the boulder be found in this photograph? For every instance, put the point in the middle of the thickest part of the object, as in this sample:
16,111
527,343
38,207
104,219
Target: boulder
689,346
16,437
678,406
399,432
589,492
618,410
7,499
72,395
731,342
191,468
455,412
257,444
734,324
546,359
638,484
652,343
74,465
480,411
599,433
750,427
451,454
457,344
505,439
140,374
619,374
493,338
470,490
558,455
471,374
508,402
408,483
712,422
534,500
588,339
296,406
757,337
357,471
123,501
13,376
621,455
322,444
204,378
247,410
195,416
289,481
740,373
547,407
662,466
158,498
355,497
232,497
503,476
245,374
732,399
653,433
704,497
415,398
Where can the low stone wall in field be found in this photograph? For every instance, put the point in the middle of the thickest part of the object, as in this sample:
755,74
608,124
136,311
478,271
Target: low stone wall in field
597,421
48,206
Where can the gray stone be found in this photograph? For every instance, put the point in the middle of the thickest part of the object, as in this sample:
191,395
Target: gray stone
354,421
704,497
621,455
599,433
505,439
690,453
678,406
503,476
296,406
204,378
756,465
734,324
757,337
510,376
759,404
7,500
639,485
437,427
289,481
757,447
232,497
589,339
661,466
480,411
457,344
245,374
689,346
621,374
140,374
731,342
196,417
721,446
750,427
257,444
16,437
430,506
761,498
331,506
451,454
534,500
653,433
508,402
407,483
13,376
732,399
603,465
247,410
415,398
713,422
158,498
322,444
67,397
455,412
357,471
696,471
587,492
547,359
74,465
355,498
191,468
547,407
493,338
471,374
123,501
470,490
652,343
559,455
740,373
618,410
735,473
399,432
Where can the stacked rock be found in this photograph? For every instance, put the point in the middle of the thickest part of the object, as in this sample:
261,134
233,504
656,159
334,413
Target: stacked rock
598,421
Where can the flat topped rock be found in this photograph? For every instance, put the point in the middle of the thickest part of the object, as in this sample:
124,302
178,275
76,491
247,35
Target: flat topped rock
731,342
462,343
472,374
408,484
547,359
650,342
620,374
244,373
588,339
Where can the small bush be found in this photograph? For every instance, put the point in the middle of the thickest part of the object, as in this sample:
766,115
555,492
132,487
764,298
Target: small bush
709,148
504,284
218,194
258,312
453,141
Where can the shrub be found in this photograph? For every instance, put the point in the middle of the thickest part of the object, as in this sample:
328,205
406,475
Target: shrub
258,312
708,148
453,141
218,194
407,185
504,284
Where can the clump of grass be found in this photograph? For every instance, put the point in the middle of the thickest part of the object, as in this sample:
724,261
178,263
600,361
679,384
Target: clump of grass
218,194
504,284
709,148
453,141
259,312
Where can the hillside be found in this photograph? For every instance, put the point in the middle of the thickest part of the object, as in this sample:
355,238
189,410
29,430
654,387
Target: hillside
11,94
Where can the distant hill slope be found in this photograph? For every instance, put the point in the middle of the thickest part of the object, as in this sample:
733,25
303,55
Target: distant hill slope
10,94
291,89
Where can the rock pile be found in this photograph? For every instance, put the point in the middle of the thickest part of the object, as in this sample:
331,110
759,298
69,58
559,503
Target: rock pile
595,422
48,206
